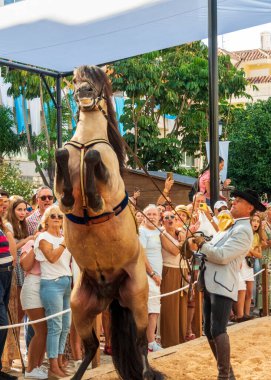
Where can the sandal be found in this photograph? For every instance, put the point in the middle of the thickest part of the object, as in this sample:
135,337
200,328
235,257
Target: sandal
189,337
108,350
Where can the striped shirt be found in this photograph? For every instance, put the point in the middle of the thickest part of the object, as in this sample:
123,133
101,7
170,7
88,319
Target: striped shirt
5,256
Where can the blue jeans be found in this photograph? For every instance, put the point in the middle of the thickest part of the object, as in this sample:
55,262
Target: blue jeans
5,284
55,297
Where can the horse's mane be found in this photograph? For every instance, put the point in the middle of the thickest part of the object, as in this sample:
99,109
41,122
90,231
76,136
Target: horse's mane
98,77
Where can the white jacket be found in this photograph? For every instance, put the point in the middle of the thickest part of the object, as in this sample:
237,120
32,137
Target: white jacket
224,255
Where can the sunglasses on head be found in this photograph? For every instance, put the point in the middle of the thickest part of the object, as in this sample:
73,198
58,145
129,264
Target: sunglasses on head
44,197
168,217
54,216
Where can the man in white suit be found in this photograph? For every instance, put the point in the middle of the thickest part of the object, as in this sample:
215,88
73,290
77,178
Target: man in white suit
224,255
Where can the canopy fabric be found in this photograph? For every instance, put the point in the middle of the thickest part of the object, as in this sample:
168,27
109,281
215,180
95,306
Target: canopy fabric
60,34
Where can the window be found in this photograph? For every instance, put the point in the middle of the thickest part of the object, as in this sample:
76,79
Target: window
7,2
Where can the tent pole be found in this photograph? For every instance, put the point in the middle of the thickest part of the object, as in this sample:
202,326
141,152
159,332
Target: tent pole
213,100
59,112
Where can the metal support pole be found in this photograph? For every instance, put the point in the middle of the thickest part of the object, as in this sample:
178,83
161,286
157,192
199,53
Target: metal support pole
59,112
213,100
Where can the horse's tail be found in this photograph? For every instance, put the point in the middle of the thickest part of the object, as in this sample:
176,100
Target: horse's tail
126,354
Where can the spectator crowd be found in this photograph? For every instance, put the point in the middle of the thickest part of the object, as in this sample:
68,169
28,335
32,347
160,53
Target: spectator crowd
37,274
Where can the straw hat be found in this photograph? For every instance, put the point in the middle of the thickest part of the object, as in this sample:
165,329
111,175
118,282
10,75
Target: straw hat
182,208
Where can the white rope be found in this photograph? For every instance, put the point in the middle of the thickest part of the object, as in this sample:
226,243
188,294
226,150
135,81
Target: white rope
254,275
68,310
35,321
173,292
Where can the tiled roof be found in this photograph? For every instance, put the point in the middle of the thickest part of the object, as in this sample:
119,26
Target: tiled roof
247,55
262,79
251,55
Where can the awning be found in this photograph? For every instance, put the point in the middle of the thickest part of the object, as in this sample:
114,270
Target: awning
60,34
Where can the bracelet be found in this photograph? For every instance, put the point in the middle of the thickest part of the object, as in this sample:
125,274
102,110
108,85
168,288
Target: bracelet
62,245
152,274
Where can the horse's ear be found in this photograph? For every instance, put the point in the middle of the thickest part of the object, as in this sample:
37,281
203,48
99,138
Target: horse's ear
103,68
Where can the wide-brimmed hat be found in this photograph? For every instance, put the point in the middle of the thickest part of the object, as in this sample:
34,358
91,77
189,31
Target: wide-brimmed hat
182,208
251,197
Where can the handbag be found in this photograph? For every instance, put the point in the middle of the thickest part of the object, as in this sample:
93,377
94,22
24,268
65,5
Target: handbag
250,261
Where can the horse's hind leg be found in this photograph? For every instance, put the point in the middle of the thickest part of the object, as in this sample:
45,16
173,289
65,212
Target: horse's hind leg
130,357
85,306
93,161
62,174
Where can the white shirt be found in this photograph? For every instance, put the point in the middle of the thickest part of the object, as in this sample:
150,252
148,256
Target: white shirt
151,242
52,271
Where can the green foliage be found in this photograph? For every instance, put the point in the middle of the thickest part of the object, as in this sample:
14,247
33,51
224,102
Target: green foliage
11,181
10,142
41,147
250,149
190,172
44,145
176,79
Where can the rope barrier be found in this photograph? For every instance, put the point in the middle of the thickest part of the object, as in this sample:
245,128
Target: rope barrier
69,310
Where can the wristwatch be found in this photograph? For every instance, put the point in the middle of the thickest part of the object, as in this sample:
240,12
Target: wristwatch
152,274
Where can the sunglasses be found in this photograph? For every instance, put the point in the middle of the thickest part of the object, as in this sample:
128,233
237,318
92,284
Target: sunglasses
54,216
49,197
169,217
29,209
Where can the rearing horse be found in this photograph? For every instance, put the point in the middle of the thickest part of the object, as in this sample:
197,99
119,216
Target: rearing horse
100,231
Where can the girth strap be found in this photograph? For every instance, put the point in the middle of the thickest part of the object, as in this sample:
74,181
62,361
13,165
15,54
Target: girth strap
87,220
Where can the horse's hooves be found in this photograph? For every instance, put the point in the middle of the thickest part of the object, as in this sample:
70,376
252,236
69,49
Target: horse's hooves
67,201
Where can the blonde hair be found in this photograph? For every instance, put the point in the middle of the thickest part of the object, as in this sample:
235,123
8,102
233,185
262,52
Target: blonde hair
47,213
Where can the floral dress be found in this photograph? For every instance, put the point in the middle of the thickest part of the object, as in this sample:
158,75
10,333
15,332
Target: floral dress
266,259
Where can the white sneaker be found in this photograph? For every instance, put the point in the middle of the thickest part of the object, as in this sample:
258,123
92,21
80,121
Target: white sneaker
36,373
44,369
154,346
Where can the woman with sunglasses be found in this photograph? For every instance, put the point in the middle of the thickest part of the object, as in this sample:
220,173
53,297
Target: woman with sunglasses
55,286
173,307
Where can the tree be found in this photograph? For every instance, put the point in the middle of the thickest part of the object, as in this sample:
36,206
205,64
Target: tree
10,142
42,147
173,81
250,149
11,181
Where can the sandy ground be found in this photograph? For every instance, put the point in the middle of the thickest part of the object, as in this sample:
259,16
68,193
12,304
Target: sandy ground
250,356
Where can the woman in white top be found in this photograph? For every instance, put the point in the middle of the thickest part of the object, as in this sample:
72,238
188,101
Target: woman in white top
173,307
55,285
149,236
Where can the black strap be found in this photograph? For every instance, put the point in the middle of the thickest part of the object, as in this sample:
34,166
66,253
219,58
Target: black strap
106,215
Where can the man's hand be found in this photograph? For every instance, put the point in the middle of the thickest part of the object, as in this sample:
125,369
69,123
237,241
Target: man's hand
198,241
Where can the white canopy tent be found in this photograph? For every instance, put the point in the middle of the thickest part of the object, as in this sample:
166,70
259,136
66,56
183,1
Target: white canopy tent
60,35
52,37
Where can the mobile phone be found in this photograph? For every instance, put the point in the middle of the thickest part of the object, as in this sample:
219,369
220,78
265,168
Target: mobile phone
203,206
170,175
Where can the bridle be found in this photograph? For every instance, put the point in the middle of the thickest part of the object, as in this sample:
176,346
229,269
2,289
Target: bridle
83,148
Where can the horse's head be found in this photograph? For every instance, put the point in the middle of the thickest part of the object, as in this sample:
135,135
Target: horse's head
91,88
